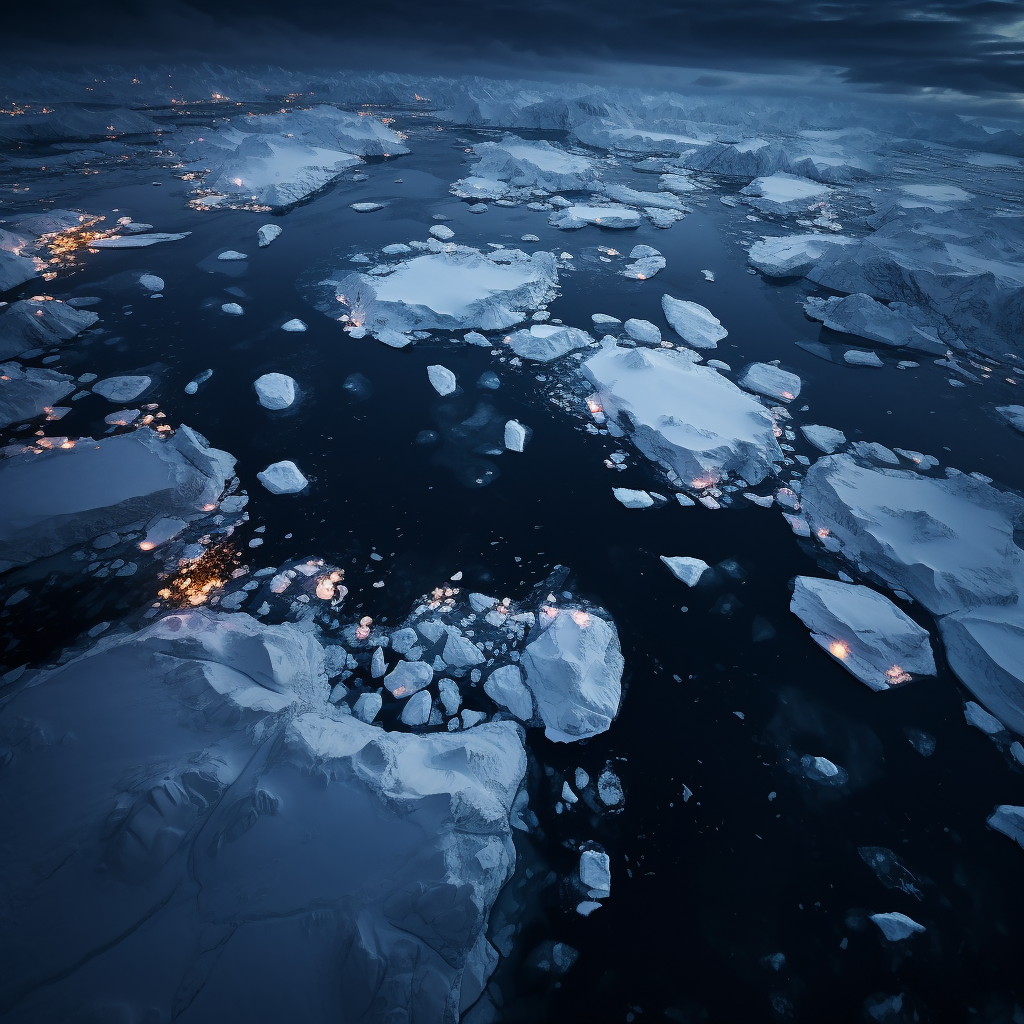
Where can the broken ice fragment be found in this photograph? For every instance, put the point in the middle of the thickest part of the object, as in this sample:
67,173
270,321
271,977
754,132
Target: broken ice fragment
122,389
1013,414
826,439
232,254
631,498
572,218
685,568
609,789
293,325
267,233
151,282
134,241
193,385
859,357
408,677
366,207
545,342
282,478
596,873
505,687
275,390
1009,820
643,330
770,380
232,309
515,436
442,231
367,707
442,379
417,709
977,716
896,926
695,324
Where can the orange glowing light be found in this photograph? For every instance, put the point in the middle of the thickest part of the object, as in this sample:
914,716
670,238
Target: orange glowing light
838,649
582,619
895,676
823,532
324,589
146,545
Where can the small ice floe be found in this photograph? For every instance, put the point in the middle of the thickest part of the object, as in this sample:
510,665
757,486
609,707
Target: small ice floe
282,478
232,309
200,378
294,325
822,770
122,389
1009,820
478,208
644,267
825,439
889,869
366,207
631,498
865,317
367,707
685,568
476,338
596,873
530,238
907,364
122,418
977,716
793,255
582,779
408,677
267,233
643,330
709,275
544,342
417,709
861,357
151,282
874,450
695,324
864,631
771,381
1013,414
505,687
442,379
160,530
587,907
895,926
609,789
515,436
603,320
571,218
442,232
232,254
275,390
135,241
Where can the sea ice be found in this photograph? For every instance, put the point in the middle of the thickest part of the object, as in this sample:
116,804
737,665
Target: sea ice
442,379
39,323
232,309
515,436
367,707
977,716
860,357
631,498
283,478
28,393
122,389
417,709
596,873
686,568
442,231
771,381
574,217
863,631
784,193
573,667
644,269
408,677
267,233
643,330
545,342
275,390
1013,414
896,926
293,326
826,439
366,207
232,254
1010,821
505,687
863,316
135,241
536,164
693,323
151,282
793,255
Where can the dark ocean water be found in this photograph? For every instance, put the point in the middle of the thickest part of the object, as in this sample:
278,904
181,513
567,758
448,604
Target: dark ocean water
703,889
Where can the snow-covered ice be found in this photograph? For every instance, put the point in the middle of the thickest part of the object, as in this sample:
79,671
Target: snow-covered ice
771,381
442,379
267,233
695,324
632,498
136,241
122,389
643,330
865,317
573,218
275,390
793,255
515,436
686,568
544,342
29,324
860,357
895,926
283,478
505,687
825,439
293,326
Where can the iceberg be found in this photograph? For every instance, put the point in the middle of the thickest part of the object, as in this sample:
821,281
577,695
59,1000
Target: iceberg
64,497
505,687
771,381
26,394
596,873
695,324
573,668
283,478
572,218
408,677
686,417
863,631
784,193
275,390
861,315
530,164
794,255
544,342
39,323
442,379
685,568
267,233
896,927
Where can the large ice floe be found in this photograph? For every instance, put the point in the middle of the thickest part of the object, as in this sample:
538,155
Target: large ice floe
688,418
457,288
38,323
225,750
783,193
951,544
793,255
515,163
59,498
863,631
572,218
863,316
26,394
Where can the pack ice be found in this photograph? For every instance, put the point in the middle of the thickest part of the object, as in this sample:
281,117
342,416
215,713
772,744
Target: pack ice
174,834
63,497
863,631
686,417
948,543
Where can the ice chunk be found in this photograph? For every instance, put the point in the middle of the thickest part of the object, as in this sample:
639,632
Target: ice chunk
596,873
582,779
1013,414
267,233
515,436
609,789
645,268
826,439
417,709
408,677
61,497
366,207
283,478
793,255
151,282
122,389
1010,821
784,193
275,390
200,378
889,869
232,309
460,652
442,379
135,241
544,342
442,231
863,631
693,323
631,498
574,217
604,320
28,393
39,323
862,315
896,926
232,254
15,270
643,330
859,357
977,716
293,326
573,667
367,706
532,163
505,687
686,417
769,380
685,568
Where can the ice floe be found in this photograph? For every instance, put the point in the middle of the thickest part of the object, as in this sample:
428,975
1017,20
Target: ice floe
275,390
572,218
39,323
267,233
136,241
686,568
632,498
28,393
526,164
695,324
544,342
769,380
862,315
122,389
793,255
442,379
282,478
895,926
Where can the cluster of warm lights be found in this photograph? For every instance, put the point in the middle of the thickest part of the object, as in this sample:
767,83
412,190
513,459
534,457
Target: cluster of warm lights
330,588
443,596
363,629
197,580
895,676
64,246
823,532
594,406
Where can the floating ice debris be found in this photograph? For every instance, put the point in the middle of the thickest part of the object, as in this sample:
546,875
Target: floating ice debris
232,254
232,309
525,164
39,323
896,926
823,771
293,325
124,418
643,330
515,436
267,233
709,275
571,218
769,380
1013,414
151,282
604,320
889,869
783,193
582,779
631,498
826,439
596,873
1010,821
475,338
921,741
574,668
688,418
442,379
161,530
442,231
59,497
860,357
26,394
530,238
478,208
609,789
717,364
544,342
863,631
977,716
408,677
865,317
685,568
644,269
793,255
193,385
695,324
367,707
135,241
122,389
283,478
684,500
15,269
417,709
505,687
587,907
366,207
275,390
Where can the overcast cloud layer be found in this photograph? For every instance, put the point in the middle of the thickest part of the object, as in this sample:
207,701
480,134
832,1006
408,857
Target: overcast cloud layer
970,46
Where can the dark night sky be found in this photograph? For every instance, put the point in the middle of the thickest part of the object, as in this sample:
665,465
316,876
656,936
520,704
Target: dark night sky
971,46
